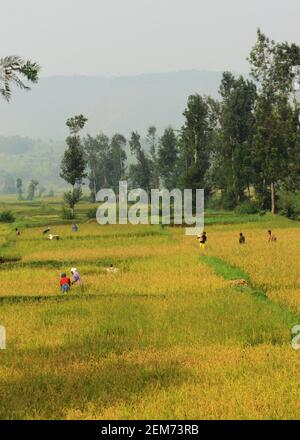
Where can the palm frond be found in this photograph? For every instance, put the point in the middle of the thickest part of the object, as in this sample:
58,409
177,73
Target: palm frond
11,67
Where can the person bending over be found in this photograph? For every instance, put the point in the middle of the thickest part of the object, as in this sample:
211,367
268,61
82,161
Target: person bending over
65,283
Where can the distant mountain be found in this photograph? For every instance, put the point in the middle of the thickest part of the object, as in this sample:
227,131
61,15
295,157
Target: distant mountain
119,104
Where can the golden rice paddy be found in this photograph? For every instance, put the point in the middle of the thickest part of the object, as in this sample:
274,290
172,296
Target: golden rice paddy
164,337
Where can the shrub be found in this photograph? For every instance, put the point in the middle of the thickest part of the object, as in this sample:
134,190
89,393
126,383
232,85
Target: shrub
67,213
247,207
7,217
91,214
228,200
289,204
214,202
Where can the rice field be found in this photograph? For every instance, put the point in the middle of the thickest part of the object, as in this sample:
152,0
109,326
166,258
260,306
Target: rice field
168,336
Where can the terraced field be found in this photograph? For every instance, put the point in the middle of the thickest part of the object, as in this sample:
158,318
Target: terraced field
167,336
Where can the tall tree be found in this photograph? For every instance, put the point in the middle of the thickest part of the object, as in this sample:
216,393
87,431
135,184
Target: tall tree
12,71
73,163
118,159
232,165
151,140
167,158
140,172
33,184
195,142
271,65
19,185
97,154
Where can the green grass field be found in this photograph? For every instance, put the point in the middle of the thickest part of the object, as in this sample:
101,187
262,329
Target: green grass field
167,336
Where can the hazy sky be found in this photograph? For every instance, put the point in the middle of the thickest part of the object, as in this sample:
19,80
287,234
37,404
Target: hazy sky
121,37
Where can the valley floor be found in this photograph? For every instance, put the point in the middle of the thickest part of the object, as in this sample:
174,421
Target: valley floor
167,336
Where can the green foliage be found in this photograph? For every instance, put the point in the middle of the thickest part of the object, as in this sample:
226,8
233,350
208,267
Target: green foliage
32,189
140,172
106,161
232,170
91,213
7,217
289,204
19,185
73,163
277,128
195,141
151,140
76,123
66,213
72,197
247,207
117,159
11,69
167,158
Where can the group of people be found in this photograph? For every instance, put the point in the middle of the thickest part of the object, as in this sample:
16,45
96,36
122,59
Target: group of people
202,239
271,237
66,283
56,236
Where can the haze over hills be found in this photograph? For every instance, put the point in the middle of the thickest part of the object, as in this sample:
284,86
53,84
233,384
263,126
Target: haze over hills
32,128
120,104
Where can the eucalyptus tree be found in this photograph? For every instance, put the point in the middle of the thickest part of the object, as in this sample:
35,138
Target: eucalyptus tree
233,164
139,172
271,67
167,158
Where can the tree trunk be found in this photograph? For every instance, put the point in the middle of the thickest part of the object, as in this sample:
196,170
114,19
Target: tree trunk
73,207
196,145
249,192
273,195
95,188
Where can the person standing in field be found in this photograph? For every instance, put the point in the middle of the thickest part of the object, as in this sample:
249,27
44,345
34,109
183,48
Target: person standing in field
65,283
202,239
271,236
242,239
74,228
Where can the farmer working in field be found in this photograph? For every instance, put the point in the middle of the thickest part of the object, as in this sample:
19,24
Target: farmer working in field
65,283
242,239
271,236
76,277
112,269
202,239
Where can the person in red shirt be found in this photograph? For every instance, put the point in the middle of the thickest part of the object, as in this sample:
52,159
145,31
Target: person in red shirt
65,283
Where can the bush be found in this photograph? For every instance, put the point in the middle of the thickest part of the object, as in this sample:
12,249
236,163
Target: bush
289,204
214,202
91,214
247,207
228,201
67,213
7,217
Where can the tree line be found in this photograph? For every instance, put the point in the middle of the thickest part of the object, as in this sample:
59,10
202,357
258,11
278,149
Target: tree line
243,147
